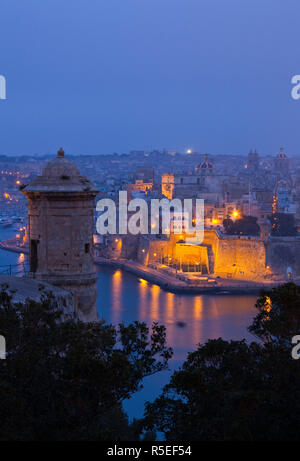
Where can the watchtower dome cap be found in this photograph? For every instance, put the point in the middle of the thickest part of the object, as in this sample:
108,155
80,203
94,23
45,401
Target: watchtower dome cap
60,175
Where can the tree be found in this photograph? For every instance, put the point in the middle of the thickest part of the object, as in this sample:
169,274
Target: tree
228,225
234,390
283,224
66,380
247,225
278,317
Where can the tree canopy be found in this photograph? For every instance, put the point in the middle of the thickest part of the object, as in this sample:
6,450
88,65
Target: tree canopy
66,380
278,316
231,390
283,225
247,225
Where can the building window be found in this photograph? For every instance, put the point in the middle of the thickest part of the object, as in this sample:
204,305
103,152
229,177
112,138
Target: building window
87,247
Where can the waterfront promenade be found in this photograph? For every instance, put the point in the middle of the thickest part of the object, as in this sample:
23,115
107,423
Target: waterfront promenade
167,281
172,284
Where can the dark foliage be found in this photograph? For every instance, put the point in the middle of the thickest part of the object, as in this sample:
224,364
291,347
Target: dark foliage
278,317
66,380
247,225
235,391
283,225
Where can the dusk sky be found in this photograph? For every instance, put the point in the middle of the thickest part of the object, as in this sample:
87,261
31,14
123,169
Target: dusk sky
103,76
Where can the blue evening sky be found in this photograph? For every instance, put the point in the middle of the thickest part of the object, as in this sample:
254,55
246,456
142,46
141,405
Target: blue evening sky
102,76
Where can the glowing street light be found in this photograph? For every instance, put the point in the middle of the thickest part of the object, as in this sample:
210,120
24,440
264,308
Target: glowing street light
236,214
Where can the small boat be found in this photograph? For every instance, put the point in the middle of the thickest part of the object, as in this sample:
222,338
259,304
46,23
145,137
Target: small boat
181,324
6,222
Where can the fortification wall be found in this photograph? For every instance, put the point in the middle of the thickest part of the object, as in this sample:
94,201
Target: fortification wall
240,258
191,254
211,238
284,252
150,251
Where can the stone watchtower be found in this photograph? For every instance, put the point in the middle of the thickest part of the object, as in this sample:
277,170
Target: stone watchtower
61,220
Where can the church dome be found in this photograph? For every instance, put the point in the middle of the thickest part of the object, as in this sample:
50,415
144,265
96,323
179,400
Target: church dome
281,154
205,165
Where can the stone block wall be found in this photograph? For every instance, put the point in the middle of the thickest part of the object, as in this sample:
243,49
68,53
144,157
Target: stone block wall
240,258
191,254
284,252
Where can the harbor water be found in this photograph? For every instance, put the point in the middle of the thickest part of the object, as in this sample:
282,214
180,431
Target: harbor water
189,319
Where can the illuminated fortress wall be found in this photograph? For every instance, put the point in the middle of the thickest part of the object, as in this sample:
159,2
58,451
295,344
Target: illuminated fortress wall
247,258
236,257
240,258
191,254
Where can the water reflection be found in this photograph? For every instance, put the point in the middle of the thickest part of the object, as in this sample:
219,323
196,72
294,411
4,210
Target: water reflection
122,297
116,294
142,298
155,290
200,317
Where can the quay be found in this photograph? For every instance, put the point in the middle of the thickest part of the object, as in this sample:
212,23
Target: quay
169,282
